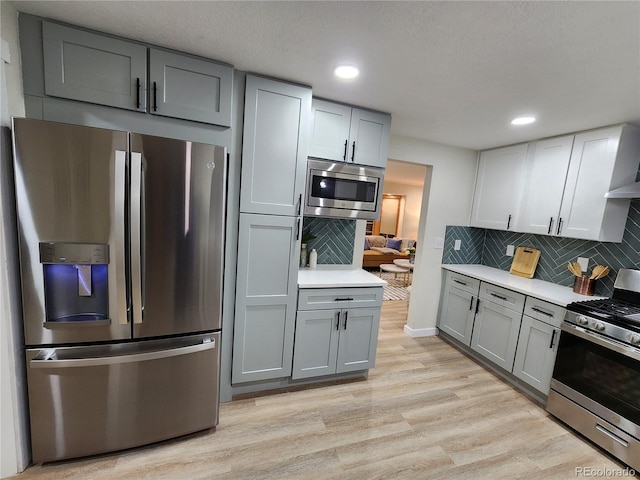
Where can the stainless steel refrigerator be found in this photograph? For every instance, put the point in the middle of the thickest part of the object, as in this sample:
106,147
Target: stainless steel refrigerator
121,240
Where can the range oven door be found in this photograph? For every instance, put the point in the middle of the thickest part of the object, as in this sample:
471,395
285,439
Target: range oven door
595,389
343,190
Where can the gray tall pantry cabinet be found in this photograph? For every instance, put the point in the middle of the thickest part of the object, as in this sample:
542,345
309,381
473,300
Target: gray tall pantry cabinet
274,154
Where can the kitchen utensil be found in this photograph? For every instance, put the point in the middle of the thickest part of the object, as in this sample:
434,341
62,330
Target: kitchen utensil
574,267
597,270
604,272
525,262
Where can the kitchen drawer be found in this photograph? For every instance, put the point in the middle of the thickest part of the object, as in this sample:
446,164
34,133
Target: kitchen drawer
327,298
463,282
544,311
502,296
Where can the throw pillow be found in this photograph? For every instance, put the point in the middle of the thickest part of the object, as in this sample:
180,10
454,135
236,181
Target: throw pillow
395,244
366,244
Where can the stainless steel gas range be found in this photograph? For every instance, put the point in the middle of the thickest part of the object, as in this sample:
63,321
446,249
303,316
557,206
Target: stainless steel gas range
595,388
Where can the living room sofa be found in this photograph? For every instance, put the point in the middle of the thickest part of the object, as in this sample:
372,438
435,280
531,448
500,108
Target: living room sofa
379,250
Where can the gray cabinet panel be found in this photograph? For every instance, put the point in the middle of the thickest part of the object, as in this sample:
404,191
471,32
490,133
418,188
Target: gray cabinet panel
94,68
495,333
458,311
358,339
274,148
536,353
265,297
369,138
190,88
346,134
316,343
330,130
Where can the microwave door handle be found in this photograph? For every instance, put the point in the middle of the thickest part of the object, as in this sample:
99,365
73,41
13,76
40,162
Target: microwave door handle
120,268
136,236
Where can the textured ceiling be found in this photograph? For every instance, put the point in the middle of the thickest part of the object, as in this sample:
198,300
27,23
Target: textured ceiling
449,72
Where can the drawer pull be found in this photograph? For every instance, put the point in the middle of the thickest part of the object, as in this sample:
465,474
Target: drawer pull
498,296
538,310
613,436
461,283
343,300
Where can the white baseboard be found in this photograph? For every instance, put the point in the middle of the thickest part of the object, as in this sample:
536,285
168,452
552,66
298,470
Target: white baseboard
420,332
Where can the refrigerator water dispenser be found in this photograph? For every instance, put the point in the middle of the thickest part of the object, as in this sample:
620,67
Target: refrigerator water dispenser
75,282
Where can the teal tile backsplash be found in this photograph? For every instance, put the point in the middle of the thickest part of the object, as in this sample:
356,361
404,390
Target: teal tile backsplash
488,247
334,239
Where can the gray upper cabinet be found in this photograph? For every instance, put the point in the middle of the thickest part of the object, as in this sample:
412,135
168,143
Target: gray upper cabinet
94,68
190,88
274,146
266,289
347,134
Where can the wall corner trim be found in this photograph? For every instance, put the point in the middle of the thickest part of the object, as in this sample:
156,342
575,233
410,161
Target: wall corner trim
420,332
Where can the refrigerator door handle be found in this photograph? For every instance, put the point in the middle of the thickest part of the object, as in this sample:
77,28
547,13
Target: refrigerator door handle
120,261
136,236
48,360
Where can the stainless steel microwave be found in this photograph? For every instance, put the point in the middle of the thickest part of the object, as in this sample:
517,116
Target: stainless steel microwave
337,189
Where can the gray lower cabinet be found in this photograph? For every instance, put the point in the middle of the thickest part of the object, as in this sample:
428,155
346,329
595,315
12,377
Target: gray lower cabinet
538,343
536,353
96,68
496,326
331,340
265,307
274,146
458,307
190,88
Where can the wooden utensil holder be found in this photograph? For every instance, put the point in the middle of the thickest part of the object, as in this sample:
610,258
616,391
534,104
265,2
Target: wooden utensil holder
584,285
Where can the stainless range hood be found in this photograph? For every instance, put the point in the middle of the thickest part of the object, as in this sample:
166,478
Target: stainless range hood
628,191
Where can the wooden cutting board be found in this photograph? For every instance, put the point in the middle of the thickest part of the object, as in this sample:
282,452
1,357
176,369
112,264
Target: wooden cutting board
525,262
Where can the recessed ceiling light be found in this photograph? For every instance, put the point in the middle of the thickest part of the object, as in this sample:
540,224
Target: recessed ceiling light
523,120
346,72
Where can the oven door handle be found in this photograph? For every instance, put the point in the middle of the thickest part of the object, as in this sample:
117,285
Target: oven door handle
617,347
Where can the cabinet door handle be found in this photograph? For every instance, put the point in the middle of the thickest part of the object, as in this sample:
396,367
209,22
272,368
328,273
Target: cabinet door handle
299,204
338,320
548,314
298,229
137,92
550,224
461,283
553,337
477,306
559,226
498,296
155,97
346,144
471,304
508,221
353,151
346,317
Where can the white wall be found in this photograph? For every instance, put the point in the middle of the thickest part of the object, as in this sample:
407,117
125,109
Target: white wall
410,221
13,424
446,201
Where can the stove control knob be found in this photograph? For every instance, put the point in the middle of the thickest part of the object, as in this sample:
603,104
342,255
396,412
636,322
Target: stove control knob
599,326
582,320
634,338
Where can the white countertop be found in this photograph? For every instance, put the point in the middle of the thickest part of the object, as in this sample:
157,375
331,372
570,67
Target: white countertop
336,276
550,292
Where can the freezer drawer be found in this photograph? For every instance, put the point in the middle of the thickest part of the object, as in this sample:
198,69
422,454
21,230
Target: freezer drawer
89,400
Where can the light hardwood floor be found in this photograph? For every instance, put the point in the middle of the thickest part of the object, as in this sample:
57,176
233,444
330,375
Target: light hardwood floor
425,412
